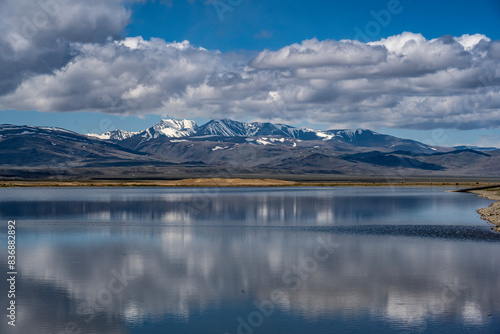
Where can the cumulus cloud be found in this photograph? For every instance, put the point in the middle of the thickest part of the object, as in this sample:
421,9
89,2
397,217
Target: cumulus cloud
36,36
132,75
79,62
313,53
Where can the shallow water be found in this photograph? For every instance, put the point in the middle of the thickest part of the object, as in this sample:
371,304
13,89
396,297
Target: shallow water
252,260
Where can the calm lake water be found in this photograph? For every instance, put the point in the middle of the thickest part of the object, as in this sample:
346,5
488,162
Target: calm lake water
251,260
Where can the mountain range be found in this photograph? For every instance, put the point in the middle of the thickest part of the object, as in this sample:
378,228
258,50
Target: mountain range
229,130
181,148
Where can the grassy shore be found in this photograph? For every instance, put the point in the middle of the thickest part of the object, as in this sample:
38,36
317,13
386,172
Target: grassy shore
233,182
491,213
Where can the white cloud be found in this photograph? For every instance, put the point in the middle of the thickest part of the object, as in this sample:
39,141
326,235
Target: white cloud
469,42
313,53
77,61
129,76
36,36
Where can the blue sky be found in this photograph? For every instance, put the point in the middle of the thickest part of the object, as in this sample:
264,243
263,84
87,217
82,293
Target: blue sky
291,21
234,33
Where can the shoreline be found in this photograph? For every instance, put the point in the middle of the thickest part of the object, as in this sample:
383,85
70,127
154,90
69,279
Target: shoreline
492,213
237,182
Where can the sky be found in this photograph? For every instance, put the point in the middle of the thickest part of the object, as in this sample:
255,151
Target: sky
418,69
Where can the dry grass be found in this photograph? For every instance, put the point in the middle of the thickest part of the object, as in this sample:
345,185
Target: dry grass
229,182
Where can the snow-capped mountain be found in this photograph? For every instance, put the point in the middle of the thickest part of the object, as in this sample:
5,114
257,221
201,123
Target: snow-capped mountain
230,128
171,128
113,135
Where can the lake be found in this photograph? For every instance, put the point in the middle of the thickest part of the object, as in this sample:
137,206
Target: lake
251,260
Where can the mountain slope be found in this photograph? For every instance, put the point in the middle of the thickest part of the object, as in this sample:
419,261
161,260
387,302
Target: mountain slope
392,160
226,128
230,128
34,146
368,138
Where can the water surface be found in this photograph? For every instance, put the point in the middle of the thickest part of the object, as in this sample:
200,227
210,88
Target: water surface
252,260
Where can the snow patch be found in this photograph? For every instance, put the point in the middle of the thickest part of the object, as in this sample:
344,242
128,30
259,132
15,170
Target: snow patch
104,136
324,136
216,148
114,135
54,129
263,142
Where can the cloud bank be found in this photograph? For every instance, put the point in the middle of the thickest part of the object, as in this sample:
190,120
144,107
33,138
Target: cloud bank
60,56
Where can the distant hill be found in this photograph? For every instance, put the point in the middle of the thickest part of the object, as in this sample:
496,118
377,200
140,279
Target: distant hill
181,148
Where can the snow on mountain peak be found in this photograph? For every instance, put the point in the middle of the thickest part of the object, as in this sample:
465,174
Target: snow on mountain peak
171,128
183,124
166,127
113,135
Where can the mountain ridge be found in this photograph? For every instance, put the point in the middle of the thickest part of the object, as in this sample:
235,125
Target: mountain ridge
184,149
227,128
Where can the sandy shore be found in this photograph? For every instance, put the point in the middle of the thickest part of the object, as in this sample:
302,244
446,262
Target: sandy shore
491,213
230,182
